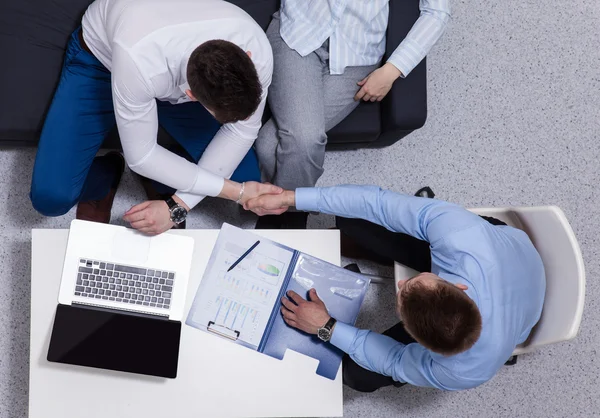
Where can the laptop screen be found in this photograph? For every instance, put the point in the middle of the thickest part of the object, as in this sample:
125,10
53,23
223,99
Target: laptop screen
94,337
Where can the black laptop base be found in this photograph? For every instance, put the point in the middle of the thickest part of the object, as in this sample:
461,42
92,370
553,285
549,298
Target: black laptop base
107,339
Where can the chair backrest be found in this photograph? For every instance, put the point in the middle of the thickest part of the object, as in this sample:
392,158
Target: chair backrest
553,237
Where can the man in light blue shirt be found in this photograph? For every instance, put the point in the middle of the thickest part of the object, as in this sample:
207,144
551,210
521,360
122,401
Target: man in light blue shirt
326,58
461,321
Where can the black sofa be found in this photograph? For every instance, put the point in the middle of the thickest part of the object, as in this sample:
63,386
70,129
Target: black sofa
34,34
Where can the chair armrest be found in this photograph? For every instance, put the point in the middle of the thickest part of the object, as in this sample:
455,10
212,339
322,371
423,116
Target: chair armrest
405,106
402,272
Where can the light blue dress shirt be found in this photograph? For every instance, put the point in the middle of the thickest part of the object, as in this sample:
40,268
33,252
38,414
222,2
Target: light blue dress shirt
503,272
356,31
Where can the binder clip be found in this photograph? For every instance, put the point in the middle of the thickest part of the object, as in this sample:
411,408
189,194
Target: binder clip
222,331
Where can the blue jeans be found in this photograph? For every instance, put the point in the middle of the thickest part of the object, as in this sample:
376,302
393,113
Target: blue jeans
66,168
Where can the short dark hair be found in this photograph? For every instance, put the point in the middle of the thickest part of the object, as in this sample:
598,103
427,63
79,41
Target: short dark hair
440,316
223,78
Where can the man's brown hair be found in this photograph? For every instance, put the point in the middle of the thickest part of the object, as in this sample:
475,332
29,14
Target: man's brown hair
223,78
440,316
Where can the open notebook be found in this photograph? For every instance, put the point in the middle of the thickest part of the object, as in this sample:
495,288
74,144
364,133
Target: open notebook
243,305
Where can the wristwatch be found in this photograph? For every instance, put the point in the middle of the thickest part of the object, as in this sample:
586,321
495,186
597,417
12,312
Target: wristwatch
178,212
324,333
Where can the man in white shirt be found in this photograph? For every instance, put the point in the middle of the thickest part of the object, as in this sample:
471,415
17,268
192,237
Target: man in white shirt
140,63
326,59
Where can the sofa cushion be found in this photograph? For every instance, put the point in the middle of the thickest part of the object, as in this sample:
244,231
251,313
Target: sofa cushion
32,42
362,126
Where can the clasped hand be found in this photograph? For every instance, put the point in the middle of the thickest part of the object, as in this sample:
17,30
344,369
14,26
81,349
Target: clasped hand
266,198
377,85
270,204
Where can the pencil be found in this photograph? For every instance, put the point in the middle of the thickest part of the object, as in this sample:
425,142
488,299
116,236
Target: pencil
243,255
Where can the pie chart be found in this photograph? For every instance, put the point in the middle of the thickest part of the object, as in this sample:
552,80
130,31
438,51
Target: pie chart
269,269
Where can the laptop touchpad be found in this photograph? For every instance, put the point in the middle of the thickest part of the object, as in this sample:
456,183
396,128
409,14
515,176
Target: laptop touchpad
131,246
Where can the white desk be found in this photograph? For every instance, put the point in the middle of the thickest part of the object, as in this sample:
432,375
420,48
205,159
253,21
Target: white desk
215,378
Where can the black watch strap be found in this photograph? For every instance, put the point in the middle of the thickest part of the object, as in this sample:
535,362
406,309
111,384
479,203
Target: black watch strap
329,325
178,212
171,202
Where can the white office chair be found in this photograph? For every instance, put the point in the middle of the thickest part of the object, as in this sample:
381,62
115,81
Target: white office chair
555,241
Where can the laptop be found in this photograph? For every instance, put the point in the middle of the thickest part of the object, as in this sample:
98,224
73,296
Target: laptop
121,299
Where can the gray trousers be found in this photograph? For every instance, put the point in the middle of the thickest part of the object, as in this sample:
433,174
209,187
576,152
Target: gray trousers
306,102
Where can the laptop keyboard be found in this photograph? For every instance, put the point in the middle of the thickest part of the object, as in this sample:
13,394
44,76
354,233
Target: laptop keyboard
126,284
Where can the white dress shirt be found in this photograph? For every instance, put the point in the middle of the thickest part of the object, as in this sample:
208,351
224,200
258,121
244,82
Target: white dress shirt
146,44
356,31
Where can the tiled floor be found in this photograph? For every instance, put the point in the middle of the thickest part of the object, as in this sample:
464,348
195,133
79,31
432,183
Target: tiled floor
514,119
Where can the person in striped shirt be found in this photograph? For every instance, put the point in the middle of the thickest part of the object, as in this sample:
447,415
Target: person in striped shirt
327,56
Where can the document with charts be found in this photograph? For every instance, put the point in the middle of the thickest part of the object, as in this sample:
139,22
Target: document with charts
243,305
238,304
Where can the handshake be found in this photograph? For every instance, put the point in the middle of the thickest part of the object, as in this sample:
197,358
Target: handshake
153,216
265,198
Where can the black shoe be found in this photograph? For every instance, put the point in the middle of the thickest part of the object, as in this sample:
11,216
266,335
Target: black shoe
99,210
287,220
353,267
425,192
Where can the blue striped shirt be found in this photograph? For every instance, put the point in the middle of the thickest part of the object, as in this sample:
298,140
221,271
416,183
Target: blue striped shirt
356,31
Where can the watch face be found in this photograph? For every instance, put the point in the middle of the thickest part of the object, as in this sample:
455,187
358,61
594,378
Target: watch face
323,334
178,214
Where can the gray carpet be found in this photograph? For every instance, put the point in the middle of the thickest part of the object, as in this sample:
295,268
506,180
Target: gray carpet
514,118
